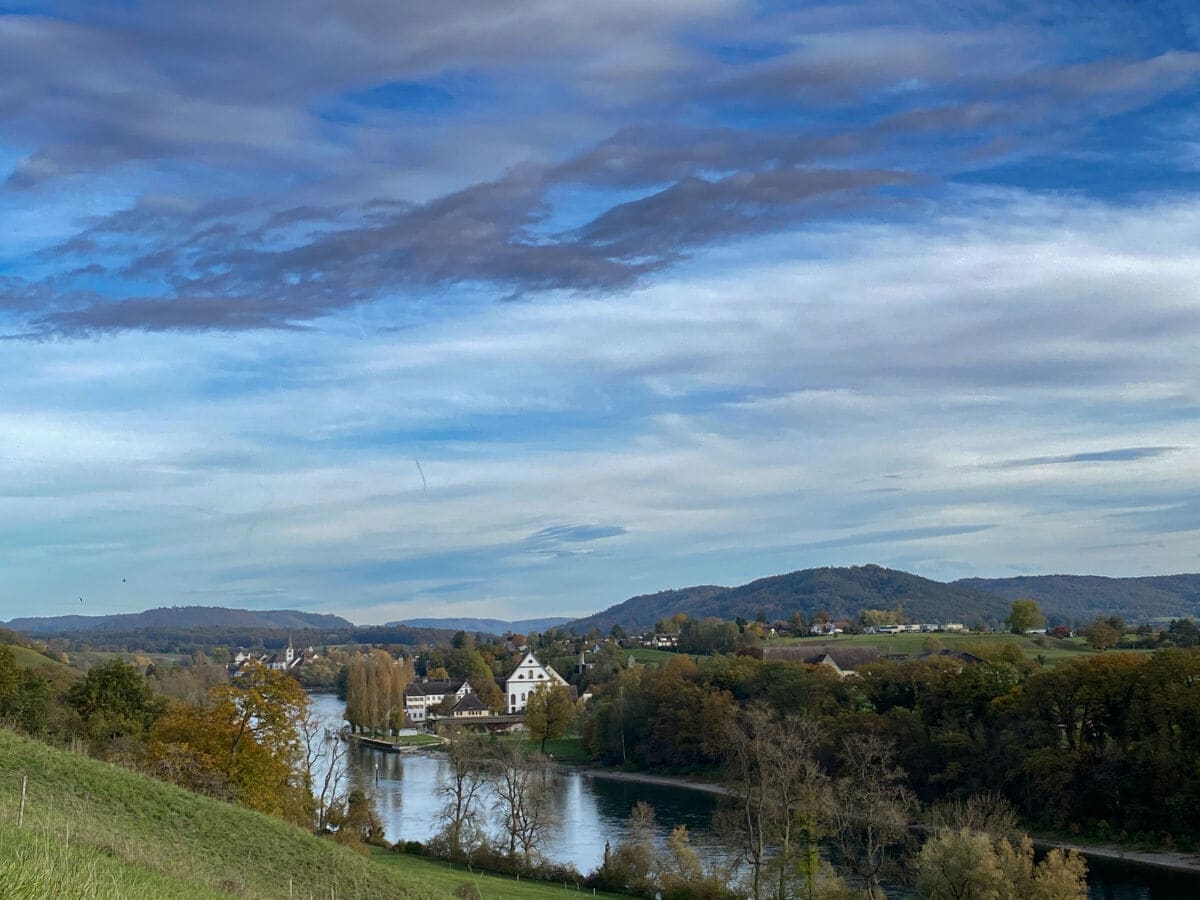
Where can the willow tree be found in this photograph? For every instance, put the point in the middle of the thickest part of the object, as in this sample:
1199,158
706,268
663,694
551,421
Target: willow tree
375,685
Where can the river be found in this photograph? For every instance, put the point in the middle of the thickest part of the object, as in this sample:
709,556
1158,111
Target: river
591,811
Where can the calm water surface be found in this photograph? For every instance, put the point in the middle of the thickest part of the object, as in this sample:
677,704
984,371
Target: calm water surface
591,811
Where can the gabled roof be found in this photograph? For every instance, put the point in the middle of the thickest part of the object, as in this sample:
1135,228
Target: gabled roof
470,703
427,688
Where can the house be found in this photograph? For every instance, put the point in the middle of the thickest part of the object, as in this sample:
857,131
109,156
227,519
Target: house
287,659
525,678
825,628
661,641
955,626
422,696
470,707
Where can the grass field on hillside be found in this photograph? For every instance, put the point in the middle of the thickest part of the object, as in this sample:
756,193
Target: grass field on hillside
1054,651
31,659
97,831
447,878
648,656
141,838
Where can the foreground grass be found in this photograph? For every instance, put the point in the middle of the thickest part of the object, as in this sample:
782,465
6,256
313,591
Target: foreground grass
93,830
446,877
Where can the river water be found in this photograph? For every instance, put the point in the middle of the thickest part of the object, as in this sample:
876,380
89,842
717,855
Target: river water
591,811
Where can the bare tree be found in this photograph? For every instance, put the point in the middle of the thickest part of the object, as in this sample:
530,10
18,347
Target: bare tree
460,790
324,770
873,810
781,802
522,784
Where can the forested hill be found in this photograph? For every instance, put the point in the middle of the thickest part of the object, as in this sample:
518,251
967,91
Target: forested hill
179,617
1081,598
840,592
845,592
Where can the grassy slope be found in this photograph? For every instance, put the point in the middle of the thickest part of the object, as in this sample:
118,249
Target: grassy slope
94,830
491,887
1054,652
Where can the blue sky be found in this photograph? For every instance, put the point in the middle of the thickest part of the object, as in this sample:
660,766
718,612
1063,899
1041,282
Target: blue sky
409,309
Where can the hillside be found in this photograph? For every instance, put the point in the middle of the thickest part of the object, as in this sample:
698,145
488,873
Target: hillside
1080,598
639,614
845,592
178,617
487,626
842,592
94,830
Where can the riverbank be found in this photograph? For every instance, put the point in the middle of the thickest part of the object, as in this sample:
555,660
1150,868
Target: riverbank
1170,860
691,784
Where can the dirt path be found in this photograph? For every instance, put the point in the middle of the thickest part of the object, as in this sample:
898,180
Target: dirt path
1161,859
691,784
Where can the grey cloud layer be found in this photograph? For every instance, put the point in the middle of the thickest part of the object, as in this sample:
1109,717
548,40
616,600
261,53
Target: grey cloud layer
231,99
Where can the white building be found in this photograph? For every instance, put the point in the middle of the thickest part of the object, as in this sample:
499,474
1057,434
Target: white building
422,696
524,679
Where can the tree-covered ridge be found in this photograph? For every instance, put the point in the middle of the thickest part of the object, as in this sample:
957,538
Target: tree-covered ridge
841,592
179,617
846,592
1081,598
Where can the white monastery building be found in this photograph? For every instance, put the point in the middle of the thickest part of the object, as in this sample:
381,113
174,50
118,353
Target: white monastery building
524,679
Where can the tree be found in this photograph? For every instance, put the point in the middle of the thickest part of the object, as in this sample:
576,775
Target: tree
1101,635
114,701
1025,616
874,809
522,787
962,864
245,745
781,801
24,695
548,713
325,772
489,692
1184,633
461,789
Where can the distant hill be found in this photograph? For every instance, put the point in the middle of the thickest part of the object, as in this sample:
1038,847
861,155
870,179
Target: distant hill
488,626
842,592
179,617
1081,598
845,592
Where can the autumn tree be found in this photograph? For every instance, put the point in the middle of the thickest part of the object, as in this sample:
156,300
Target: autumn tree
244,745
1101,635
963,864
1025,616
548,713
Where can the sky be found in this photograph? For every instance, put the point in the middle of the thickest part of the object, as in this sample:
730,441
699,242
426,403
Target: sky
399,309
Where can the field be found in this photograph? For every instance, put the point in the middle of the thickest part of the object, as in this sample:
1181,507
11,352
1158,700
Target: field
491,887
1054,651
648,656
93,830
